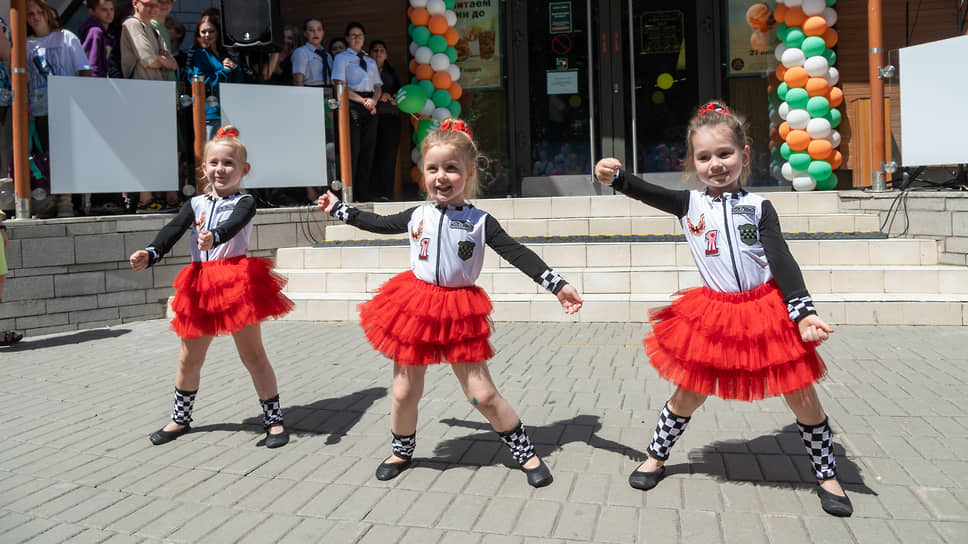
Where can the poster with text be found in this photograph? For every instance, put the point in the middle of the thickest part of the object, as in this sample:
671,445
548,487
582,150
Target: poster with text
479,46
751,37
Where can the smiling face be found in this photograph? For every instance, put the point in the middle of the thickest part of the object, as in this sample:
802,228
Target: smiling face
207,34
718,159
445,175
37,19
314,33
146,11
224,169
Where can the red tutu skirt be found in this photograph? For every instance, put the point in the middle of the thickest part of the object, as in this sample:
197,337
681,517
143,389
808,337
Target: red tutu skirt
220,297
739,346
416,323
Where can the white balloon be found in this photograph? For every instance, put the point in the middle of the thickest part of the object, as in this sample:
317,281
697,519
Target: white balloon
833,76
436,7
816,66
428,109
451,17
778,52
830,16
804,183
789,173
439,62
775,118
418,3
777,172
834,138
441,114
413,48
818,128
792,3
793,57
813,7
783,110
454,72
415,155
423,54
798,119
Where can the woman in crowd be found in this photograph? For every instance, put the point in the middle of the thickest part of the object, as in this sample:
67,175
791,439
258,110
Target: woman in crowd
209,59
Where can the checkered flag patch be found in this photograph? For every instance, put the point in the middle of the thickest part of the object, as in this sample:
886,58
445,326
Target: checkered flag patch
518,442
800,307
552,281
271,412
819,442
184,404
667,431
341,211
403,446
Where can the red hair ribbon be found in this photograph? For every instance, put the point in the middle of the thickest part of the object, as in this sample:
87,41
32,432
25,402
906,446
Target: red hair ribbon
458,126
713,108
222,133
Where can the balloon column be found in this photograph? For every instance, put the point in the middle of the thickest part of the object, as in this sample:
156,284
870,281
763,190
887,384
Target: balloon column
804,123
431,96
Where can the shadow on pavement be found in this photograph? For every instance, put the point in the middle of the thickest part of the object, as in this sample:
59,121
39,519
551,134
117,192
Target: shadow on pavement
28,344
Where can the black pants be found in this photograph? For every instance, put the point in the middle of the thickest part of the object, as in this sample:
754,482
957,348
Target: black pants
363,128
385,159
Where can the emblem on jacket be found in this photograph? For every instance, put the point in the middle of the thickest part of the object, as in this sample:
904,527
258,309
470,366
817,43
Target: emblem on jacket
747,233
465,250
415,234
200,222
697,229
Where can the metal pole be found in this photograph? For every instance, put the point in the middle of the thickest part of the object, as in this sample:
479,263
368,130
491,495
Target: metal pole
345,157
876,61
18,80
198,121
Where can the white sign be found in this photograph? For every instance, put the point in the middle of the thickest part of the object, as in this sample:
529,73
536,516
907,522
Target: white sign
562,81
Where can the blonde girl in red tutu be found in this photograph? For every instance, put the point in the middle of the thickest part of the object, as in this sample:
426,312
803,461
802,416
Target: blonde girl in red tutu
434,312
751,331
222,291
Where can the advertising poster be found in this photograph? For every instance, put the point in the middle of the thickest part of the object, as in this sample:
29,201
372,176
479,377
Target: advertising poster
751,37
479,46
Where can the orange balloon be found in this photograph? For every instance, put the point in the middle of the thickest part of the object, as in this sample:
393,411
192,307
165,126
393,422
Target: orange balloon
796,77
798,140
413,66
780,13
836,97
438,24
820,149
441,80
420,16
452,36
784,130
795,17
780,72
814,25
424,71
758,17
455,90
830,37
836,159
817,86
415,174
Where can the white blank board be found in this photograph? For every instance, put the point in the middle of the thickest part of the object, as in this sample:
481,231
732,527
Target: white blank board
932,90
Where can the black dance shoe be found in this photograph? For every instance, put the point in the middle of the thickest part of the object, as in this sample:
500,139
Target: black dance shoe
161,436
277,440
646,480
835,505
540,475
388,471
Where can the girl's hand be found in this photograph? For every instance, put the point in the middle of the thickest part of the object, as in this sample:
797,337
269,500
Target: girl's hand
814,329
606,169
205,240
326,202
570,299
139,260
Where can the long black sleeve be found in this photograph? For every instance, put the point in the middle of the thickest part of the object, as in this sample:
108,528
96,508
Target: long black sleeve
169,235
521,257
243,213
372,222
783,266
671,201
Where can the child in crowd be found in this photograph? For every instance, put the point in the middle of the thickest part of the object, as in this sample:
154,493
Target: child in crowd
752,330
434,312
7,338
94,36
221,291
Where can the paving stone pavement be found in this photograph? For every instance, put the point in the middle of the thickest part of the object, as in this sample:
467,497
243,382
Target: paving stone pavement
76,464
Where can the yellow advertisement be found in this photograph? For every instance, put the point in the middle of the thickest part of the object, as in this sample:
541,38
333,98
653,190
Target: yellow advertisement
751,37
479,46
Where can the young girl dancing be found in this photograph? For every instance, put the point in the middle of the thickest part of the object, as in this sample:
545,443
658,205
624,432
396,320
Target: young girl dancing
752,330
434,312
221,291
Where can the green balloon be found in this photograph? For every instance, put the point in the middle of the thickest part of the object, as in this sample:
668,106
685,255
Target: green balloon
827,184
830,3
785,151
425,127
450,3
410,28
794,37
830,56
797,98
813,46
834,117
782,89
819,170
421,35
775,154
454,108
781,31
818,106
437,43
451,53
428,86
411,98
441,98
799,160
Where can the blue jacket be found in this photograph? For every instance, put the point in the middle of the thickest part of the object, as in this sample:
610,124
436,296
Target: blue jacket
205,63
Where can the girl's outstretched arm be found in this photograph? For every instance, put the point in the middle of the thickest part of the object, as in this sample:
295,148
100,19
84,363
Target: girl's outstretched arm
139,260
570,299
368,221
814,329
326,202
606,169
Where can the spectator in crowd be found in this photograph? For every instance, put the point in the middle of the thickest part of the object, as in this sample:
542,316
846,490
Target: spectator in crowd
543,166
7,338
387,125
337,45
176,32
158,23
6,98
121,13
51,50
279,69
312,66
363,87
209,59
94,36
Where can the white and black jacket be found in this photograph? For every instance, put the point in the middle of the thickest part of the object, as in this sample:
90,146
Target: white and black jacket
734,238
229,219
447,244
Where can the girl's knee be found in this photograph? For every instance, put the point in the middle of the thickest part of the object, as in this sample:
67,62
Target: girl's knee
407,392
484,400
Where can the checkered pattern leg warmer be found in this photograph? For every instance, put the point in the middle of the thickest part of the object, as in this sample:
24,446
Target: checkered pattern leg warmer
403,446
819,441
667,430
518,442
271,412
184,403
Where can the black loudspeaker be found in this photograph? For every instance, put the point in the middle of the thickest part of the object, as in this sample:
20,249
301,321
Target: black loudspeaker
251,24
